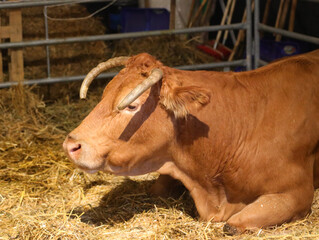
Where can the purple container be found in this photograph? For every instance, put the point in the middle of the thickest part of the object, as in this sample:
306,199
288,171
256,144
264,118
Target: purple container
271,50
144,19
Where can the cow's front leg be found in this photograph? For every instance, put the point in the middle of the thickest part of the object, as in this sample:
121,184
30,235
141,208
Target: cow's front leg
166,186
212,205
270,210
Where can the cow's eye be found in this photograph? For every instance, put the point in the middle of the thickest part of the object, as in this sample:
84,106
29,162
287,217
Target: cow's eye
132,107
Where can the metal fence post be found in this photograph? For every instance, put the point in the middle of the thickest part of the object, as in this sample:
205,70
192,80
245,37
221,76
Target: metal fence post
256,35
45,13
248,35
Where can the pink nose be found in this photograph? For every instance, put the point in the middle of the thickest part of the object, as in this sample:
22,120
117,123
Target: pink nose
72,148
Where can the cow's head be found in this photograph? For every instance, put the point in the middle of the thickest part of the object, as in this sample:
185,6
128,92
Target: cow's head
131,130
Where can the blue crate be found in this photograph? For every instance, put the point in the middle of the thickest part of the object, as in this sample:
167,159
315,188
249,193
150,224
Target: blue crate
144,19
271,50
114,22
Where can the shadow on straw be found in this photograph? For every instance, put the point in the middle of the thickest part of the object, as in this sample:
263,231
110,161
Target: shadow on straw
131,198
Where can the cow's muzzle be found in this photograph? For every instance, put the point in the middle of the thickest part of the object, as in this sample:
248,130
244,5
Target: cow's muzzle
82,154
73,148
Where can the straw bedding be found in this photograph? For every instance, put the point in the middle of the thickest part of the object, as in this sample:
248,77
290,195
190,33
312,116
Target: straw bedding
42,195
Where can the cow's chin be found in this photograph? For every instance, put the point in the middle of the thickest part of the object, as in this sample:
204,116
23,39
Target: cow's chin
94,164
88,168
116,170
90,164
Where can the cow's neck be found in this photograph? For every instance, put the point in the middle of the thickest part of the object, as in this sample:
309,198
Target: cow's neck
209,142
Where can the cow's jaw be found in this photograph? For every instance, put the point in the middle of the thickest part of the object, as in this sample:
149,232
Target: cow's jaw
83,155
120,161
140,167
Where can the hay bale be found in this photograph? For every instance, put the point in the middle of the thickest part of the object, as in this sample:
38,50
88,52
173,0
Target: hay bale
79,58
171,50
66,59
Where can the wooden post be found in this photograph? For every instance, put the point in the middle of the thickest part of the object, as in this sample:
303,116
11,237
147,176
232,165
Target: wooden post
292,15
172,15
1,65
283,18
13,32
16,68
1,68
147,3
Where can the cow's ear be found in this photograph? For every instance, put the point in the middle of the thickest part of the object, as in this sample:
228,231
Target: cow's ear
182,100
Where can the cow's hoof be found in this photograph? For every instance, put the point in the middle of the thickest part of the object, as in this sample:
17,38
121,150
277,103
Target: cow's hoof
230,230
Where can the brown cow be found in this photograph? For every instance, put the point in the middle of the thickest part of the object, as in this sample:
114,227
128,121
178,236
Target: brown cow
246,145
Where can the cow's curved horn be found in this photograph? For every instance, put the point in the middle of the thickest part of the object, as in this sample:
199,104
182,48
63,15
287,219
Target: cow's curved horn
113,62
155,76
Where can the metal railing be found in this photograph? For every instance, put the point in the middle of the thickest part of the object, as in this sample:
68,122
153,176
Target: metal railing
262,27
46,42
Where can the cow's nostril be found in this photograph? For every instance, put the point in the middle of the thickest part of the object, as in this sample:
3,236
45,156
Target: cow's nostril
76,148
74,151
